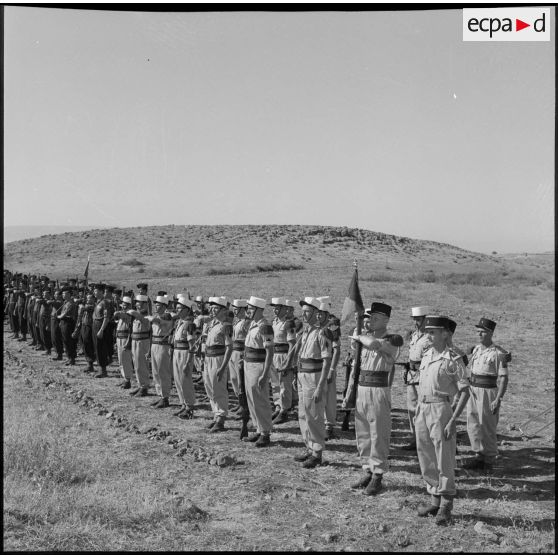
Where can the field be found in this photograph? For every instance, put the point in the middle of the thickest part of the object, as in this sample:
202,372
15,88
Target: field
87,468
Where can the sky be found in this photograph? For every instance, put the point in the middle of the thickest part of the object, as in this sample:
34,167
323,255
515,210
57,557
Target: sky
386,121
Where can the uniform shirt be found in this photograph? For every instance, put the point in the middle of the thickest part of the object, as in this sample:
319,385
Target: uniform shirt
314,343
489,361
103,309
124,322
418,345
85,318
442,375
260,335
69,310
240,328
381,360
140,325
162,328
55,305
185,331
218,333
462,354
283,331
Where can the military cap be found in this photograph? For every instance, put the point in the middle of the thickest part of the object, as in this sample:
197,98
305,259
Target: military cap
126,300
290,303
141,298
184,301
436,322
324,307
256,302
142,285
380,308
452,325
278,301
199,298
310,301
162,299
67,288
486,324
325,300
419,311
218,300
161,293
239,303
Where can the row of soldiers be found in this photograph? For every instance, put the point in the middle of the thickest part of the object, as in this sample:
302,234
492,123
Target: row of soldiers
232,341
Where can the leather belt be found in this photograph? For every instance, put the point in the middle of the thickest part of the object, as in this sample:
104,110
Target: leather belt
140,336
122,334
373,378
484,381
310,365
181,345
215,350
254,355
433,399
157,342
238,345
280,348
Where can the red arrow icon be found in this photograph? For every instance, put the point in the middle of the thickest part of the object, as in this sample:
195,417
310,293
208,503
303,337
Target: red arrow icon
519,25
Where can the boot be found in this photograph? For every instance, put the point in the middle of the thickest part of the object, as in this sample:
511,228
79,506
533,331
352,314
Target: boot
142,392
374,486
135,390
162,403
59,357
72,362
102,373
89,368
329,435
281,418
48,352
425,510
126,384
219,426
187,413
363,481
301,457
153,403
211,424
263,441
275,413
312,461
252,438
477,463
444,515
181,410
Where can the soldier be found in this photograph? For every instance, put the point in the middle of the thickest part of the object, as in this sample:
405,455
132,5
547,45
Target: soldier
313,351
44,322
141,343
20,311
218,351
291,304
258,360
38,302
102,334
373,404
84,331
325,321
124,342
240,327
55,332
143,291
183,339
11,310
418,345
489,381
441,376
67,317
29,313
284,338
161,363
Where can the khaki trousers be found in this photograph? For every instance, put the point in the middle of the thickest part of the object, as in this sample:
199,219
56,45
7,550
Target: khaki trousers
162,369
258,399
310,414
124,359
482,423
216,389
234,368
412,399
331,402
182,366
373,427
140,350
281,383
436,455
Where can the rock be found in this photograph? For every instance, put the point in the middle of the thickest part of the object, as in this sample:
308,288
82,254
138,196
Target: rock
403,541
212,461
109,415
305,526
224,460
486,531
330,537
382,528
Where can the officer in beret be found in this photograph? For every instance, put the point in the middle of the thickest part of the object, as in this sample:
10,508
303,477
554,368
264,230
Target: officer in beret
124,342
102,333
258,359
373,403
284,338
313,351
184,339
218,350
418,345
441,375
489,381
67,316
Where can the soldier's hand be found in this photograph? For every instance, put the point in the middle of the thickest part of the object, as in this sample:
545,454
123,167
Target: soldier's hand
494,406
317,396
261,382
450,429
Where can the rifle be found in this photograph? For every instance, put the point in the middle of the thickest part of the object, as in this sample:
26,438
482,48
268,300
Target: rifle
347,364
243,401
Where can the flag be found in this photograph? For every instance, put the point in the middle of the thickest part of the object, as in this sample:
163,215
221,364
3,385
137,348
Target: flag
353,301
86,272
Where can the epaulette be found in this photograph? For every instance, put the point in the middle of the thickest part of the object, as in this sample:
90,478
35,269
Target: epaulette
394,339
266,330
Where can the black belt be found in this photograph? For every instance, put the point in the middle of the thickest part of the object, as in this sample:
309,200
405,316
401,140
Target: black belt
181,345
433,399
484,381
254,355
122,334
157,342
140,336
280,348
414,364
215,350
238,345
373,378
311,365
